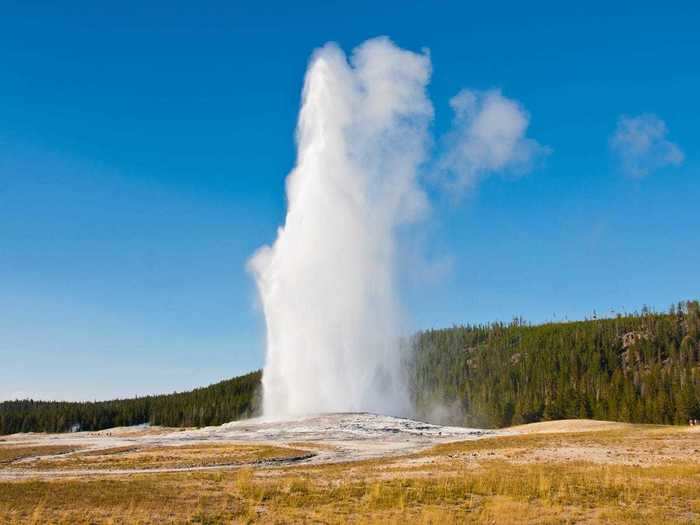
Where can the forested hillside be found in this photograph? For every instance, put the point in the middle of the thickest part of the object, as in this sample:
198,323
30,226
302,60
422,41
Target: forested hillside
639,368
212,405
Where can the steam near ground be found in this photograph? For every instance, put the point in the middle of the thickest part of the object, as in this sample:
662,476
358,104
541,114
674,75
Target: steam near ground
327,285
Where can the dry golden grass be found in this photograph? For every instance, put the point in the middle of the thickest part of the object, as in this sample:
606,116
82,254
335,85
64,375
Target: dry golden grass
446,484
10,453
642,445
160,457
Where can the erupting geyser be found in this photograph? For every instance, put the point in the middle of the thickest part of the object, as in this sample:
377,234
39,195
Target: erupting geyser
326,285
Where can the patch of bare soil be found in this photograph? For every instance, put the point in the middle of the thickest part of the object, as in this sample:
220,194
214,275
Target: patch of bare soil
567,425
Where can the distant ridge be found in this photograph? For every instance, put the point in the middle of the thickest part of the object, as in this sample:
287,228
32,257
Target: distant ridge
211,405
638,368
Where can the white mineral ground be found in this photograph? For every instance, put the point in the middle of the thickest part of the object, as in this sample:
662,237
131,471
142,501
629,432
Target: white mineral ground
331,437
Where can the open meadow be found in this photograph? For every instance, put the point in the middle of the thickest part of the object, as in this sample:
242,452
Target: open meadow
355,469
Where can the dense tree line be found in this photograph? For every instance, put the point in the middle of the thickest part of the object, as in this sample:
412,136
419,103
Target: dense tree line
637,368
212,405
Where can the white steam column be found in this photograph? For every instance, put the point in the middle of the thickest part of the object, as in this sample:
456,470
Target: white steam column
327,284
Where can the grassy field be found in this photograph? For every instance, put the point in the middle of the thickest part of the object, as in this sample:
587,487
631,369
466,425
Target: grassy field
10,454
163,457
624,474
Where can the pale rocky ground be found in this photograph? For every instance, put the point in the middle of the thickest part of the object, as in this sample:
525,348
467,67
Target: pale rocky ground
360,468
638,445
328,438
352,437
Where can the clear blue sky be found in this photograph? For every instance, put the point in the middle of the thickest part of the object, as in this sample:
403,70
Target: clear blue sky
143,152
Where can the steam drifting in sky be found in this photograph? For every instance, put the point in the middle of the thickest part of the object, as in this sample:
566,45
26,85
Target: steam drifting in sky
642,147
488,136
327,284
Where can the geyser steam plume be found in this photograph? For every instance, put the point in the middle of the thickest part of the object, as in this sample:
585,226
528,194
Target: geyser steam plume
326,285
